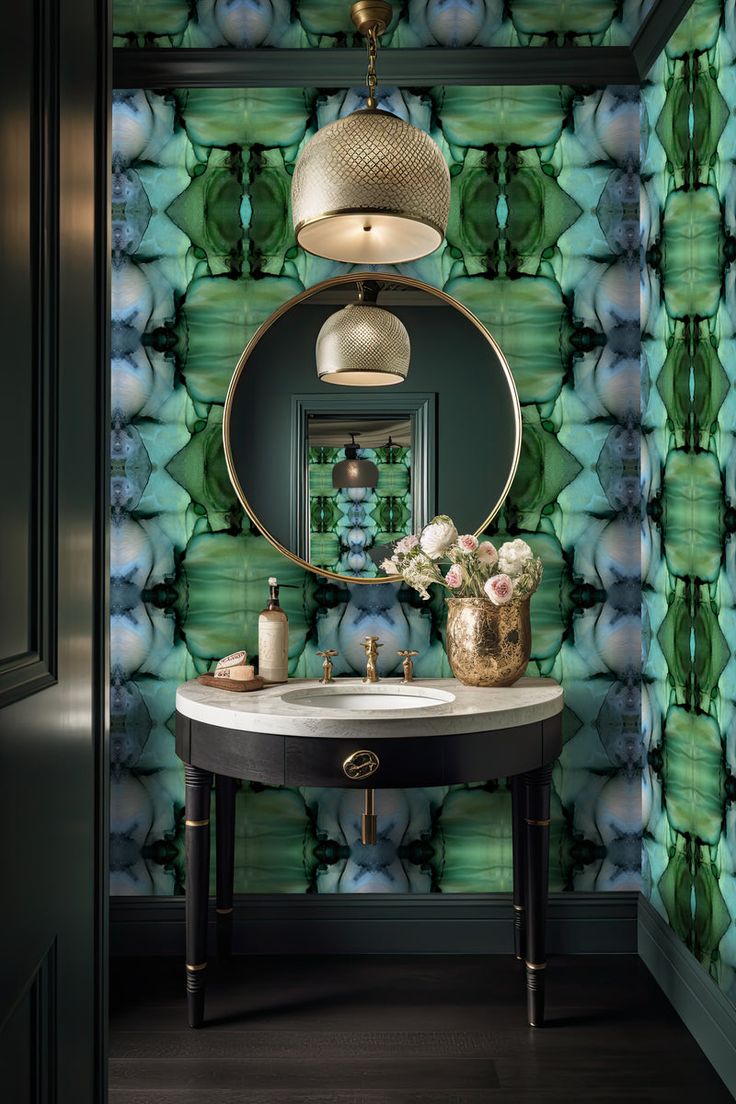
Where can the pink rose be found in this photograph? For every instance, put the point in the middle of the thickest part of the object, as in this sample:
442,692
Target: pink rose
500,589
406,544
467,542
487,553
454,577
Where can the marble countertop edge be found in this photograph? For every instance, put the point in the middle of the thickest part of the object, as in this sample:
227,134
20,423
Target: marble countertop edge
475,709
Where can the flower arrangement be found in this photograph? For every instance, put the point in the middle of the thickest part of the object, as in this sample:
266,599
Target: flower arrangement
475,569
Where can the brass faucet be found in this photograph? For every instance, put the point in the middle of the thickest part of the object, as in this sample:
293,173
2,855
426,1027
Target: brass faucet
408,664
327,665
371,645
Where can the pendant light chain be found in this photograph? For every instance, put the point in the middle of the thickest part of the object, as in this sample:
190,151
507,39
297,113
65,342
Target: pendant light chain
371,79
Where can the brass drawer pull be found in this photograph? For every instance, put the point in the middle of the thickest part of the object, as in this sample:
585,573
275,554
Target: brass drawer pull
361,764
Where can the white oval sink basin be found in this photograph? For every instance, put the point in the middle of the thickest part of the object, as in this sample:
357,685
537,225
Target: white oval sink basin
367,699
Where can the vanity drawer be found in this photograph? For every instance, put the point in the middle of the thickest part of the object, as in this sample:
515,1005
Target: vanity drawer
421,760
394,762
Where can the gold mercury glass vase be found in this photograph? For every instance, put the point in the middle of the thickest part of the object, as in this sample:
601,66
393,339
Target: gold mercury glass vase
488,645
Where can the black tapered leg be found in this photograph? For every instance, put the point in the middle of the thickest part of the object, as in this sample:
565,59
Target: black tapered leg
518,840
536,815
197,833
225,790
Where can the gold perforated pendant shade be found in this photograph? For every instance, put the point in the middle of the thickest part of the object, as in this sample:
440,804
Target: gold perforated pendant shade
370,189
363,346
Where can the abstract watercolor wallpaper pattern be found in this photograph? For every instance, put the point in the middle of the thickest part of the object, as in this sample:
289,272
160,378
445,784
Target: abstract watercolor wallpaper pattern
325,23
543,246
345,524
689,485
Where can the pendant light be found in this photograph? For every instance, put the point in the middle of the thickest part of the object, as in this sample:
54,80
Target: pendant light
352,472
370,188
363,345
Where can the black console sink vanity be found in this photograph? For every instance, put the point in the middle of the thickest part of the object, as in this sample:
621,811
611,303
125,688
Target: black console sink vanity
352,735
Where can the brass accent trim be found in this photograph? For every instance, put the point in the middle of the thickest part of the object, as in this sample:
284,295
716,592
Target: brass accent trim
535,965
538,823
390,377
361,764
354,278
196,823
520,908
223,912
199,966
366,211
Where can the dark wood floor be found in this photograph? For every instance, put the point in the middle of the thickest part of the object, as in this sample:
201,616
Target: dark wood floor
441,1030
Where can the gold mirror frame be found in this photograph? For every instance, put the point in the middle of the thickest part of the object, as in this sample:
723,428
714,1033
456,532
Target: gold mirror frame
353,278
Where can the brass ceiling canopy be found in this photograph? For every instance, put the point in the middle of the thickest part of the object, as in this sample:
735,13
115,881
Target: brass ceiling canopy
371,16
370,188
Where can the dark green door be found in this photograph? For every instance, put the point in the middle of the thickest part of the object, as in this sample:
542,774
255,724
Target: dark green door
53,106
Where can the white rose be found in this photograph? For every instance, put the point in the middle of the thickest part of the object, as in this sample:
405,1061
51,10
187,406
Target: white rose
487,554
513,557
438,536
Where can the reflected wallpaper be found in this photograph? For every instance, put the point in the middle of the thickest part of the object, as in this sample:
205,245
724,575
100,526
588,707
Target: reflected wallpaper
347,523
543,245
689,485
324,23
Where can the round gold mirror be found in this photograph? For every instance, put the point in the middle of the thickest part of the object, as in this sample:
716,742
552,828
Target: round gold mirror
359,410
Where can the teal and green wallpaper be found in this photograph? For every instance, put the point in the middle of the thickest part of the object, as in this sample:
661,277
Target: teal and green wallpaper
324,23
689,485
348,523
543,245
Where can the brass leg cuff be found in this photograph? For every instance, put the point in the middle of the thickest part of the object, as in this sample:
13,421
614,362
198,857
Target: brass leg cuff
537,823
536,965
199,966
223,912
196,823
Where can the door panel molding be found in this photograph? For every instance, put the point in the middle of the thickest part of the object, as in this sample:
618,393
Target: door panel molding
34,669
28,1036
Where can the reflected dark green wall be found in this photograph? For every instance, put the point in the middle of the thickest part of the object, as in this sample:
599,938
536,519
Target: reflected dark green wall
450,358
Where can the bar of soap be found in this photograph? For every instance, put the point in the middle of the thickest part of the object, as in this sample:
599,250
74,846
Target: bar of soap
237,659
242,673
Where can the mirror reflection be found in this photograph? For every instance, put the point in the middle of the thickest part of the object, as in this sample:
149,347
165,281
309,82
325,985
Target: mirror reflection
426,420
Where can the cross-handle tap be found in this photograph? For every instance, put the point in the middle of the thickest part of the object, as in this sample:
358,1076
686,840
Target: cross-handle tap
371,645
408,664
328,653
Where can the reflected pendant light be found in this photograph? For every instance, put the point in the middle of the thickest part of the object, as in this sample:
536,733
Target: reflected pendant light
370,188
363,345
352,472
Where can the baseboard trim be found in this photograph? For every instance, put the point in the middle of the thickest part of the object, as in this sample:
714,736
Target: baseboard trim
707,1013
578,923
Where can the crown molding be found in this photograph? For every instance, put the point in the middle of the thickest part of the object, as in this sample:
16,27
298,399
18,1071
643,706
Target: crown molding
656,31
589,66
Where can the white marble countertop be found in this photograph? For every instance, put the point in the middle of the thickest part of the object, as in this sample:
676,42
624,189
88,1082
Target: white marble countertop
464,708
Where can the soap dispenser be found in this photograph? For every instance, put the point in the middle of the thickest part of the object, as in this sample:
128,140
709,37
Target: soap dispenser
273,638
